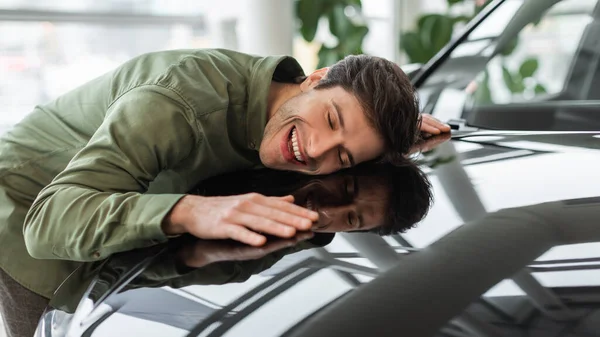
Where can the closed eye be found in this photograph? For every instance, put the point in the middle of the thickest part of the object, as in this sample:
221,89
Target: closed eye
330,121
353,220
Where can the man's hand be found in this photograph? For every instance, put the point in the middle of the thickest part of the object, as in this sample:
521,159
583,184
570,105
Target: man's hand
431,126
239,217
204,252
428,144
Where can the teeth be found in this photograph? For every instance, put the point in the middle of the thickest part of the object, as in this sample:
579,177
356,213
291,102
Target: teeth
309,204
295,145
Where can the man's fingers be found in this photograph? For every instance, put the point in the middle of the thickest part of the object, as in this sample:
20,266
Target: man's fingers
284,204
281,210
426,128
281,216
431,123
244,235
289,207
439,125
288,198
264,225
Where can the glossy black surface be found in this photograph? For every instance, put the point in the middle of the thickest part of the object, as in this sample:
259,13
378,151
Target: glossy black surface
503,199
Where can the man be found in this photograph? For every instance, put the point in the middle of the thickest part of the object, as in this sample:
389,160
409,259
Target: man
382,199
105,167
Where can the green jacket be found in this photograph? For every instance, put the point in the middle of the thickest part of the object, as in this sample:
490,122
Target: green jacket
95,171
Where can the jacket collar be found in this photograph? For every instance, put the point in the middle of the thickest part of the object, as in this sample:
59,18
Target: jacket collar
280,68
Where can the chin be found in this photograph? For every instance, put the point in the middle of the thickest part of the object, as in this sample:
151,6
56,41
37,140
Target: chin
267,158
272,163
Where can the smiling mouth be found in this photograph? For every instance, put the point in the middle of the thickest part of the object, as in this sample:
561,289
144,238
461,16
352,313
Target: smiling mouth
294,147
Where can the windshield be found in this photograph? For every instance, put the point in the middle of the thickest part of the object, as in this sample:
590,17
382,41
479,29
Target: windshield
530,65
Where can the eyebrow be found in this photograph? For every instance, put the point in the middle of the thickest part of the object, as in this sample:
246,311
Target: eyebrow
338,110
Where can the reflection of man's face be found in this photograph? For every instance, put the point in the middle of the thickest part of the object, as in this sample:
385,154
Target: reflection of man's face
345,202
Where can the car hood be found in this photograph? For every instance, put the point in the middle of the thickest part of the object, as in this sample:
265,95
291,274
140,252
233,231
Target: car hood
510,246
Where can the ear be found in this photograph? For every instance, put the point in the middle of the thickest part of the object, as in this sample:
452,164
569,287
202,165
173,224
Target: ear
313,79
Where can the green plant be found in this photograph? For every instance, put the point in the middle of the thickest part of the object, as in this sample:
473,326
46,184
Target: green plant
349,34
433,32
517,81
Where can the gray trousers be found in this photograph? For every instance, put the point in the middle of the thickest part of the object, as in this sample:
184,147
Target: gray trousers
20,308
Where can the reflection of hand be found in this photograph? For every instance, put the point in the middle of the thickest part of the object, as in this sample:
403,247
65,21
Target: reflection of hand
428,144
204,252
238,217
432,126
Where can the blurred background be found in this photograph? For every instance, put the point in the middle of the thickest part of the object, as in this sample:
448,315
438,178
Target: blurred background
545,60
50,47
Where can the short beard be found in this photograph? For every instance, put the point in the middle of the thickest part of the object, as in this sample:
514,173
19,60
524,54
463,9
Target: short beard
283,117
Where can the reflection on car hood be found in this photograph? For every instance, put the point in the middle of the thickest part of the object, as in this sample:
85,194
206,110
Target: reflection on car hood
576,140
509,247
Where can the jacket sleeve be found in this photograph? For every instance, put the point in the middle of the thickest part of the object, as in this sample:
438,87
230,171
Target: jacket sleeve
97,205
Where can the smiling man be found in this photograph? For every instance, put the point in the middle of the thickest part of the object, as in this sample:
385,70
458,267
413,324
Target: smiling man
360,109
105,168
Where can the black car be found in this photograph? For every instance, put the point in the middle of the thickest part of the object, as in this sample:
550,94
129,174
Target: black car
511,246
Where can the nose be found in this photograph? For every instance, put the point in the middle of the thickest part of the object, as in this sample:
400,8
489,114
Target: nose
332,215
326,214
323,144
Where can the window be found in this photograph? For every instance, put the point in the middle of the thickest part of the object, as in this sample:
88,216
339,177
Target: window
60,45
531,65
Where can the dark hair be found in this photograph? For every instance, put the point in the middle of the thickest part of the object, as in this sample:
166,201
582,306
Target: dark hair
386,95
409,195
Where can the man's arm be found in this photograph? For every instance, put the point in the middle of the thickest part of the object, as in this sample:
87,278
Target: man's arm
96,206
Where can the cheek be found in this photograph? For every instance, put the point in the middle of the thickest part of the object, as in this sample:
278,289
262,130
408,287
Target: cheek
274,130
305,114
368,146
326,168
309,111
375,141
